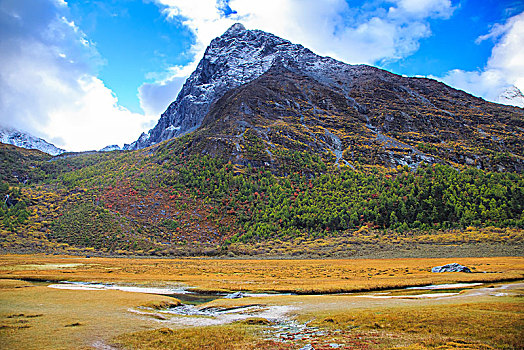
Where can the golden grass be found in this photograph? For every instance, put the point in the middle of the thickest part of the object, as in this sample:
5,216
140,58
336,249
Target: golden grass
299,276
9,284
162,304
235,336
488,323
481,325
38,317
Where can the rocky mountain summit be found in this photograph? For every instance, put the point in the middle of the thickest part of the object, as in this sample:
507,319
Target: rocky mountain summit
22,139
233,59
255,91
512,96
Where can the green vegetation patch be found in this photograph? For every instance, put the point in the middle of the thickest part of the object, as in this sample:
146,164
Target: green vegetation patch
13,207
88,225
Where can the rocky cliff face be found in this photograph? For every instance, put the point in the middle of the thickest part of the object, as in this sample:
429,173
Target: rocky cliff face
22,139
384,119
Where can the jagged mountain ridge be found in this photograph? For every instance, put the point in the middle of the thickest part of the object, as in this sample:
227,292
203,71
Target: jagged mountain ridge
110,148
381,118
233,59
22,139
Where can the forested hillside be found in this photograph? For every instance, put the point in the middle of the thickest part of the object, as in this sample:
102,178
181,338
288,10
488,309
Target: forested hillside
165,200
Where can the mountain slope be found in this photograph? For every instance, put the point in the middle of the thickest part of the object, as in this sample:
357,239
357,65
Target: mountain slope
166,201
286,110
20,165
356,113
22,139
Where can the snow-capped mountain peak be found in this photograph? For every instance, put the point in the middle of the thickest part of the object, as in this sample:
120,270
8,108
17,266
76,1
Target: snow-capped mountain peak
22,139
111,148
235,28
233,59
512,96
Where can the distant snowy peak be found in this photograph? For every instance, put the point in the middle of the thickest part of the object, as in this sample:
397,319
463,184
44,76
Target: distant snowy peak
111,148
22,139
512,96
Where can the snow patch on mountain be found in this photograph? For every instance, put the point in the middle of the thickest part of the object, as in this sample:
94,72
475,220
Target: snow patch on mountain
25,140
111,148
512,96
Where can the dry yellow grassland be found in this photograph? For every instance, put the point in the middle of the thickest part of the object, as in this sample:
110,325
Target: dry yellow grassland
475,325
477,318
300,276
37,317
33,316
237,336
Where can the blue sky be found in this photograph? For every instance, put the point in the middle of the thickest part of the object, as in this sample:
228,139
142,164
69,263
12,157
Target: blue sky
452,45
101,72
135,40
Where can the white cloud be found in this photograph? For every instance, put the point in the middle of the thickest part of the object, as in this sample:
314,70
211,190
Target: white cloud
48,83
504,68
156,97
487,84
94,119
375,32
204,17
425,8
508,54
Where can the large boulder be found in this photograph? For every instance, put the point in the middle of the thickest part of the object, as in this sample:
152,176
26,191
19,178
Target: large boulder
454,267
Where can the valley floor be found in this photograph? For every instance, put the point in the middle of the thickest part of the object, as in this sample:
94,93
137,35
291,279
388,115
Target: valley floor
312,304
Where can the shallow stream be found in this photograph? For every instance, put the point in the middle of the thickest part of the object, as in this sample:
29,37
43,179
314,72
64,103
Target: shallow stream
279,320
185,294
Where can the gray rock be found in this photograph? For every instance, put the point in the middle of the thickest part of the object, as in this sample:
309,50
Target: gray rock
454,267
236,295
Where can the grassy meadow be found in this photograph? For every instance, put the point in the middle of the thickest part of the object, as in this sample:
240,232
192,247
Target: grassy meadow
296,276
490,316
36,317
